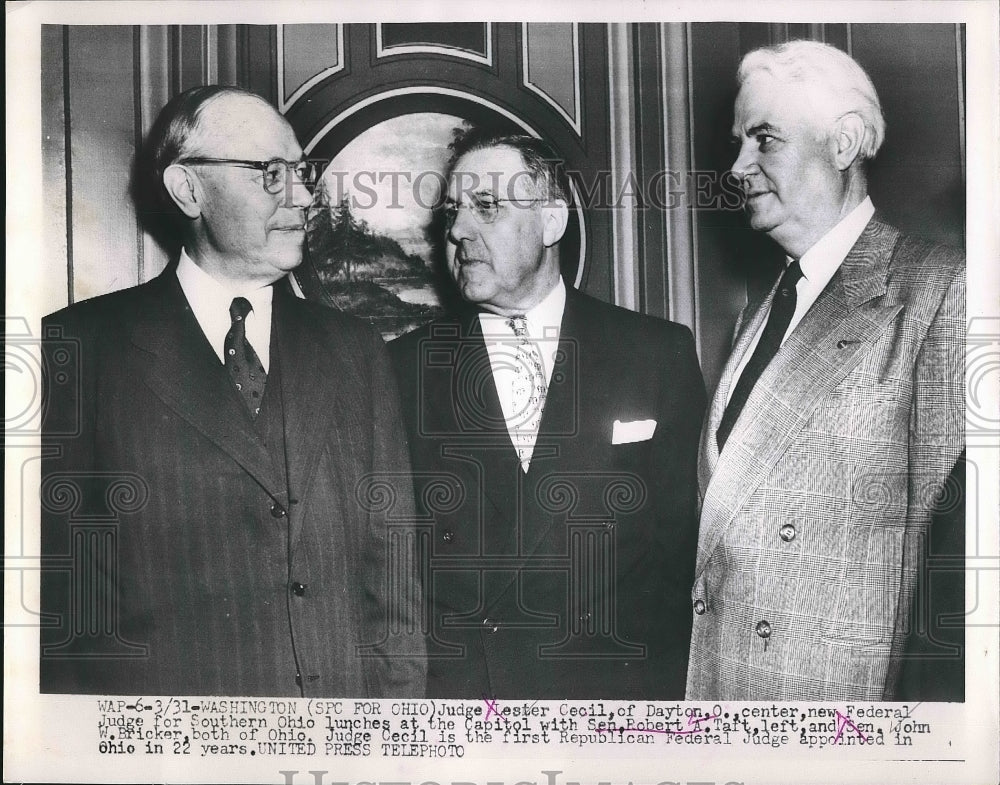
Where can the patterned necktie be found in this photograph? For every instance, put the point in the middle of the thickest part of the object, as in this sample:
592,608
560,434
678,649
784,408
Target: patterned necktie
528,392
242,362
782,309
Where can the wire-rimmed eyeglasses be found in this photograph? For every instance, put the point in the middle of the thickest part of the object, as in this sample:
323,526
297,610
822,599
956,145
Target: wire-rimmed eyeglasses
485,209
275,172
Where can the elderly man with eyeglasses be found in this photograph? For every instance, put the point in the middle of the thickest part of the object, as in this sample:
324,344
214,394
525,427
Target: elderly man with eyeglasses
554,439
241,423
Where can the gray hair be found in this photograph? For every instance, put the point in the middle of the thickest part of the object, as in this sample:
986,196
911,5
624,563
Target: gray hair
174,134
176,130
841,83
546,167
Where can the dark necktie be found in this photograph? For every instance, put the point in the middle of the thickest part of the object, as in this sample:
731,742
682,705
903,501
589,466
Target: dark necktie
778,320
242,362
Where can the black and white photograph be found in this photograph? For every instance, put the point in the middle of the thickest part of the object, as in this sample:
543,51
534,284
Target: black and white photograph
578,394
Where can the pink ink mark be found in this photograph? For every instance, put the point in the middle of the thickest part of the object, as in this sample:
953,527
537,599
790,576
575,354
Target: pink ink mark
491,708
843,721
639,730
697,720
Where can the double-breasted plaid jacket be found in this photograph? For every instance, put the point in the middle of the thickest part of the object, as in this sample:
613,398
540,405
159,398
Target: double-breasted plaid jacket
812,516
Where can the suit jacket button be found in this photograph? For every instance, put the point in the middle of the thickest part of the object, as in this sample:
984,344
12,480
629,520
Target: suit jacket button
491,625
448,536
787,532
277,511
298,589
298,679
699,606
764,629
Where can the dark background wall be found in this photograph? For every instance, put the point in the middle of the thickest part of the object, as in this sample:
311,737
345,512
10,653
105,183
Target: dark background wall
649,99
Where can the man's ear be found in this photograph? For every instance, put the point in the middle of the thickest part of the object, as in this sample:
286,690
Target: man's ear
555,215
184,189
848,137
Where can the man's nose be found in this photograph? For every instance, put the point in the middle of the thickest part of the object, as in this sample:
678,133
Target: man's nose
298,194
463,226
746,161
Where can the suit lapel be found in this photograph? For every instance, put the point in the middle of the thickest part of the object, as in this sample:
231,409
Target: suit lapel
504,483
179,365
708,452
479,407
313,387
561,417
843,324
476,383
563,399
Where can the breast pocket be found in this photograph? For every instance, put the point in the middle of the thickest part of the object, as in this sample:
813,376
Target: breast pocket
631,456
877,410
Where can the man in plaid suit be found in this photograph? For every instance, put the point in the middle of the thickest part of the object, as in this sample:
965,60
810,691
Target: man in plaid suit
839,414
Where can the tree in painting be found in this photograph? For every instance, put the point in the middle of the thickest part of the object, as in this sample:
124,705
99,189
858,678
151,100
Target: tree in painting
363,271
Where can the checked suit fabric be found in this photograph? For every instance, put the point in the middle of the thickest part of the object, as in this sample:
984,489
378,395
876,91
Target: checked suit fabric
778,320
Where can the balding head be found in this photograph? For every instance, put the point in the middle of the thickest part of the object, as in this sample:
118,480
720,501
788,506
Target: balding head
176,134
207,160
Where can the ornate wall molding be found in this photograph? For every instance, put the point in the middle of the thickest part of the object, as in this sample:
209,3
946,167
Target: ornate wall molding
560,90
289,94
390,50
623,164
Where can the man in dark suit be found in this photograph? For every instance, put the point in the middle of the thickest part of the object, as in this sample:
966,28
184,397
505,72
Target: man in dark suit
208,520
838,416
553,439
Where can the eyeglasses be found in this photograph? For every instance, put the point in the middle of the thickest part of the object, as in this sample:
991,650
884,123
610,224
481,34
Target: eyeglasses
485,209
275,171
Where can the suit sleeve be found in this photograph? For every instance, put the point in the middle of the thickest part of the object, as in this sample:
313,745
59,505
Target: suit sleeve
682,407
937,422
394,562
933,663
937,440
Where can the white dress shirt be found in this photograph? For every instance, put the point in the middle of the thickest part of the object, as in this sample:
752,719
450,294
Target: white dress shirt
818,265
543,323
210,301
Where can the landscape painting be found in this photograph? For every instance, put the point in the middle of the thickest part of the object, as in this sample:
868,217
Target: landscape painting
374,239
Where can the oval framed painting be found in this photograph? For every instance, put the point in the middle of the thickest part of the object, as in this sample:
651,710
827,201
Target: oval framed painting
374,239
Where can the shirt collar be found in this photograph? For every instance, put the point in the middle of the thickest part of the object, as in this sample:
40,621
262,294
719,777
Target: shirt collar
543,319
210,300
821,261
548,314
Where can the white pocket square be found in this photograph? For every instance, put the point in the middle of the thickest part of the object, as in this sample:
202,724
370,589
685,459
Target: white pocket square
634,431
